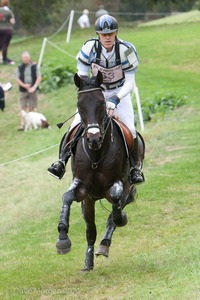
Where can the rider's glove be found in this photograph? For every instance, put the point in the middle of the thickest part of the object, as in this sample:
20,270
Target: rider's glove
112,102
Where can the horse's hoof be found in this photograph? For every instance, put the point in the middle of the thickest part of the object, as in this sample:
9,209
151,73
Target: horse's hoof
123,221
102,250
87,269
63,246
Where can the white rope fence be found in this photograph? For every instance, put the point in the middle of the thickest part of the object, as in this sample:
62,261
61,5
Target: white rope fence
27,156
60,49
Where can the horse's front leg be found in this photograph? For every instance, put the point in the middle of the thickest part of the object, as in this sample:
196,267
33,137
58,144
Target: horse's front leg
105,243
91,233
119,216
63,244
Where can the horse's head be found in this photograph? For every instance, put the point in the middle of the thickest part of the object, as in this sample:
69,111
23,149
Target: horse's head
92,108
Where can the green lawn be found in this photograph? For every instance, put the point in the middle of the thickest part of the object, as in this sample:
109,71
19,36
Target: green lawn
156,256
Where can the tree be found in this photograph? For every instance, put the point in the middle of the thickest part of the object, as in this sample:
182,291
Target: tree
140,7
178,5
37,14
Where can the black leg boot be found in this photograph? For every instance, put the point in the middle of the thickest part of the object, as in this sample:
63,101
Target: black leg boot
136,175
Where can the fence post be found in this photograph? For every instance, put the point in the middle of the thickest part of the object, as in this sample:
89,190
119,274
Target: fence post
70,26
137,96
42,51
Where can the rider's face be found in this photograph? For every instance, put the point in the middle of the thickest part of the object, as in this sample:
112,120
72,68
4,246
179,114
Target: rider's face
107,40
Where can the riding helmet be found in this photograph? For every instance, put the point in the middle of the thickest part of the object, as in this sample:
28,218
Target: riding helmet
106,24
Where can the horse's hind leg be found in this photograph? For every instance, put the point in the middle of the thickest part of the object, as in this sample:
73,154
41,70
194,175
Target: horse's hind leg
91,233
105,243
63,244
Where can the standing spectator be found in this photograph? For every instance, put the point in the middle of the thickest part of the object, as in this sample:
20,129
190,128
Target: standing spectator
4,88
84,21
101,12
28,77
2,98
7,20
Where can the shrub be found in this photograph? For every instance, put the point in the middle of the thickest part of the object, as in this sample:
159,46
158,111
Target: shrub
161,105
55,77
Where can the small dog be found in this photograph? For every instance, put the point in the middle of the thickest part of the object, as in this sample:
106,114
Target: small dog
34,120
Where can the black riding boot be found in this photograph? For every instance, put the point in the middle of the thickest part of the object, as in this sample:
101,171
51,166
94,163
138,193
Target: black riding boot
136,175
57,169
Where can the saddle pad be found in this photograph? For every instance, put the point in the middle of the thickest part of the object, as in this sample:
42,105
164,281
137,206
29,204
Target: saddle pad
73,131
126,133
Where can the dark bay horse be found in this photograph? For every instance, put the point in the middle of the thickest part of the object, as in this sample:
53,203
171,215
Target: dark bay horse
100,167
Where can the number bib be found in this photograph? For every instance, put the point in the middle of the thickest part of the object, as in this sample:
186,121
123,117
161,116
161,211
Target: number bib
111,75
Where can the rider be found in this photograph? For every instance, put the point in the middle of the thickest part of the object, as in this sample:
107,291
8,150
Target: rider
118,61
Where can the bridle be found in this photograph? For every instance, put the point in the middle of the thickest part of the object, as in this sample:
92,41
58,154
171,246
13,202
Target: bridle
95,127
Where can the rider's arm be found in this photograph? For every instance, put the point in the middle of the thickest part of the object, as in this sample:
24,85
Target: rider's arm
82,69
84,58
128,84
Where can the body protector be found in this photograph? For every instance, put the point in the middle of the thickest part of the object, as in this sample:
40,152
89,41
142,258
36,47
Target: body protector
122,58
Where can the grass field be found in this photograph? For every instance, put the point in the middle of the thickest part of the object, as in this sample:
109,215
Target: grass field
177,18
156,256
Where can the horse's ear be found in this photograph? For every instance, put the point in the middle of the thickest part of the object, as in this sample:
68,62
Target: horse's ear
99,78
77,80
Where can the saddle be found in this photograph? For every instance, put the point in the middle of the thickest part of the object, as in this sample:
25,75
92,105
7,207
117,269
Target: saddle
126,135
69,139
